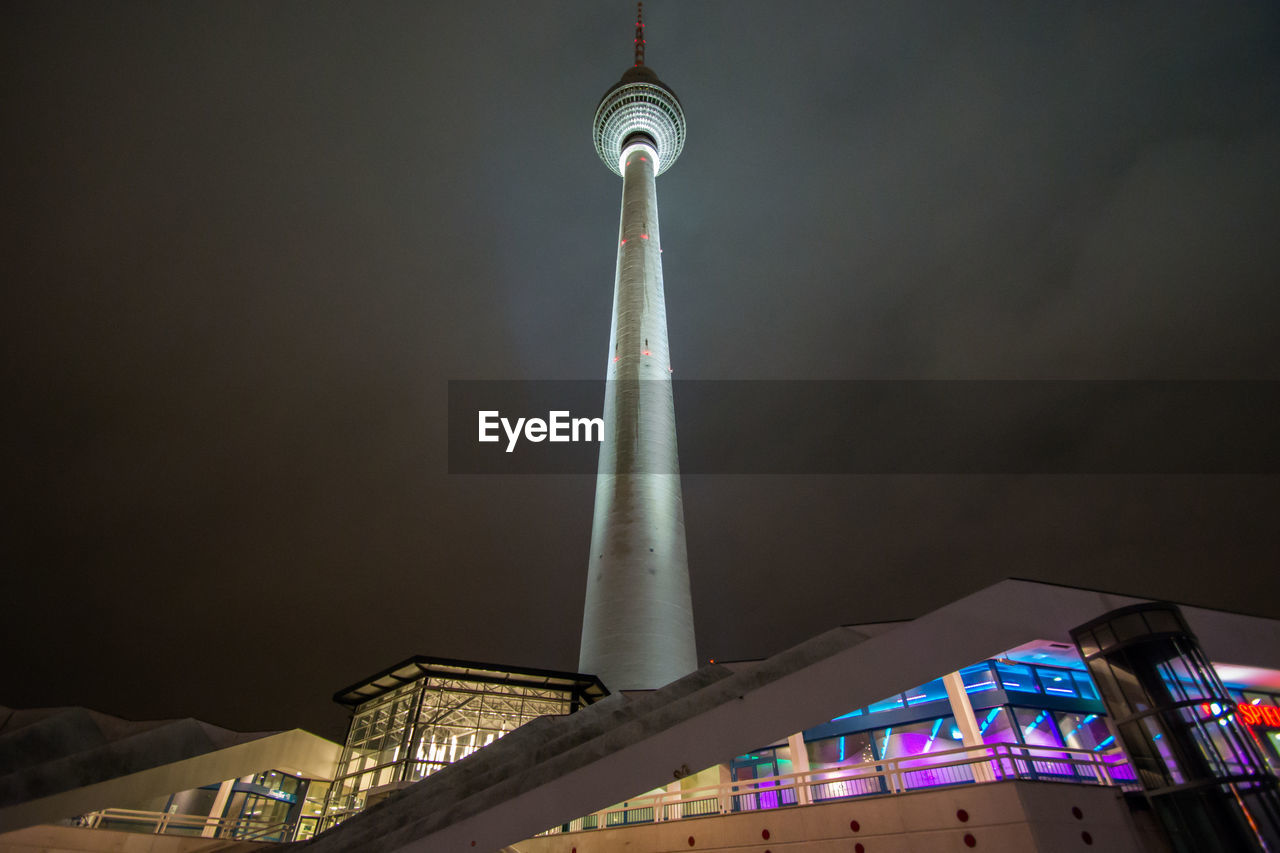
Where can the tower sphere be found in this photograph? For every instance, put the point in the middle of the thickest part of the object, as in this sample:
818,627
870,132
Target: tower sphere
639,105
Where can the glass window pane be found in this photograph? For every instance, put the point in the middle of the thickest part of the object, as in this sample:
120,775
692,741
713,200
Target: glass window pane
916,739
1084,731
978,678
1015,676
1165,762
1180,681
934,691
1133,696
1161,621
1129,626
1084,685
996,727
921,751
889,704
840,751
1056,682
1037,727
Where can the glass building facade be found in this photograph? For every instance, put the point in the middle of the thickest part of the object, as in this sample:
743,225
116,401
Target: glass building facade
1259,712
1040,719
425,713
1014,702
1201,766
273,805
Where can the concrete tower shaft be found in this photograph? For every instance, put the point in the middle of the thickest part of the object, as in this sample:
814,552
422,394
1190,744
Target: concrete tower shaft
637,628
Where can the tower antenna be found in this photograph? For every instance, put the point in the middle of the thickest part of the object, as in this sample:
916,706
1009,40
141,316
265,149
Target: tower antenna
639,34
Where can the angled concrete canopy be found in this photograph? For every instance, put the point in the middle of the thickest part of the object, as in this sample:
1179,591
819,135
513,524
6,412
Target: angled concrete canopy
174,756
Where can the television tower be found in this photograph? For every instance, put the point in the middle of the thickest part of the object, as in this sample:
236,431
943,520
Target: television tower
637,626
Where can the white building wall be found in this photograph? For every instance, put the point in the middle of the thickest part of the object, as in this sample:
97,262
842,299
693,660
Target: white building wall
1004,817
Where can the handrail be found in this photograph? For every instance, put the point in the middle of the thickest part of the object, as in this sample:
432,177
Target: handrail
283,827
166,823
965,765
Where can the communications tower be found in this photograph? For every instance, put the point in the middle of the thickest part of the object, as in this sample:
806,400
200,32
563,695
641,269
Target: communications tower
637,626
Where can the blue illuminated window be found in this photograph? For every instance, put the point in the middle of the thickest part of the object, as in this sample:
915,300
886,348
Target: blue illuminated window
1014,676
1056,682
934,691
978,678
890,704
1084,684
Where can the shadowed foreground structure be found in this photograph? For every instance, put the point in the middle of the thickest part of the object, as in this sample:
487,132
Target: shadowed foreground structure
555,770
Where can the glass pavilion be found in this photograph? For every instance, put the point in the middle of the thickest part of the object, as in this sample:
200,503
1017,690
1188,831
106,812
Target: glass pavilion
424,713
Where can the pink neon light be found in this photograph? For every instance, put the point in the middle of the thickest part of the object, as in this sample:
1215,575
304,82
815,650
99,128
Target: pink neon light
645,352
644,236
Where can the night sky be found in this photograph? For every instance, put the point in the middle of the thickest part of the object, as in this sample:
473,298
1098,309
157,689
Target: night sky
246,245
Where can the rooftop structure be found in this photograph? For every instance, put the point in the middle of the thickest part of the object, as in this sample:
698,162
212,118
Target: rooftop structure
415,718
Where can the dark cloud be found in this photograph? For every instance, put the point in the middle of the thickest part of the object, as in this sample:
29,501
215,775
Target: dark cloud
246,246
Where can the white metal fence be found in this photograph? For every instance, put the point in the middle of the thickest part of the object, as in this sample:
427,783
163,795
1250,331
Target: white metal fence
164,823
965,766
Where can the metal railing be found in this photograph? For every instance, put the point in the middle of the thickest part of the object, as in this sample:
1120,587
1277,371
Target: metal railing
965,766
165,823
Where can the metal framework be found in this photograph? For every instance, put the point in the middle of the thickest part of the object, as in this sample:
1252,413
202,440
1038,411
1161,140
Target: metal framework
584,689
416,717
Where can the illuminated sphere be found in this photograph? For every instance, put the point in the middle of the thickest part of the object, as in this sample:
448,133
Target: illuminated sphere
639,105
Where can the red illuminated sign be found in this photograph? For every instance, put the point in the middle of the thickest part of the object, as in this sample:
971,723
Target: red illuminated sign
1251,715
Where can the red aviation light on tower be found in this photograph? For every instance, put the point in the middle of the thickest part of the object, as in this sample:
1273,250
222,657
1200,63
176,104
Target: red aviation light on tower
639,110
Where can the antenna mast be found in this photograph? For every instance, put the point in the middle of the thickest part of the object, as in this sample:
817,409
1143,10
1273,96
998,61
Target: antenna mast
639,34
